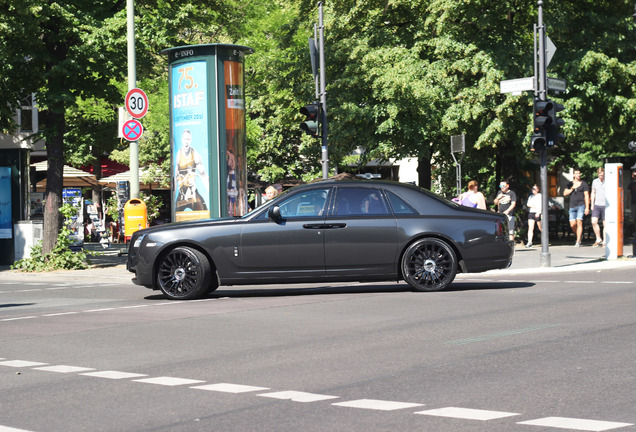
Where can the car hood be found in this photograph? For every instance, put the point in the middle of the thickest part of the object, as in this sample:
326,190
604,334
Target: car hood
188,224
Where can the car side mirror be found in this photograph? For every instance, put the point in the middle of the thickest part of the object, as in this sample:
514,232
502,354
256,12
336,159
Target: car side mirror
274,213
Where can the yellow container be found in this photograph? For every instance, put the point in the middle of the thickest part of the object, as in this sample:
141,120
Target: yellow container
135,217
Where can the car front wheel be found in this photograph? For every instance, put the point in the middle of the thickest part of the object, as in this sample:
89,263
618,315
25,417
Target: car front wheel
184,274
429,265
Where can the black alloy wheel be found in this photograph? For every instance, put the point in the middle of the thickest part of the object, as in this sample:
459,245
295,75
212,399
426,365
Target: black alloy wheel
429,265
184,274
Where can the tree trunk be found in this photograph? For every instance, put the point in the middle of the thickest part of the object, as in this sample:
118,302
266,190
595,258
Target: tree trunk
54,183
424,169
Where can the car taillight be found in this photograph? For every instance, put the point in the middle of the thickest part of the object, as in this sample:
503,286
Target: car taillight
500,227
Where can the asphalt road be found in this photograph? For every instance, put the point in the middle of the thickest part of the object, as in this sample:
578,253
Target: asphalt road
515,352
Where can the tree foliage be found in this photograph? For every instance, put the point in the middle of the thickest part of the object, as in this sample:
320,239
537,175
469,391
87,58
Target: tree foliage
402,77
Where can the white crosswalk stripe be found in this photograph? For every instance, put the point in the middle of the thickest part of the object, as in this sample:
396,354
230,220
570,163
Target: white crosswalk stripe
168,381
296,396
373,404
230,388
467,413
575,424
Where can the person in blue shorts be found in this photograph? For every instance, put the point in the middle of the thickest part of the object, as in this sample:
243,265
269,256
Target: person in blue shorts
579,193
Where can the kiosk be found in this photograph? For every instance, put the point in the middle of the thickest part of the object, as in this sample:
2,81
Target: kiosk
207,130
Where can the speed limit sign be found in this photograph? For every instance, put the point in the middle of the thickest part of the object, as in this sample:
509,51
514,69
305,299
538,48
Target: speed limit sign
136,103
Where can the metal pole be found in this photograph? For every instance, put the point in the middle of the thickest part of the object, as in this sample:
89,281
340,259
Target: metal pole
545,232
323,93
132,83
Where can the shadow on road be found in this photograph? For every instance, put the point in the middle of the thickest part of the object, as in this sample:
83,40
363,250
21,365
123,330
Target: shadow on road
314,290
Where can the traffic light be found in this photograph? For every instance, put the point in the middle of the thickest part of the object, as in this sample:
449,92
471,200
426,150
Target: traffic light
554,135
541,122
310,125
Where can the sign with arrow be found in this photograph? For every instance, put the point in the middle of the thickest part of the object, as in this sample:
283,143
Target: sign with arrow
132,130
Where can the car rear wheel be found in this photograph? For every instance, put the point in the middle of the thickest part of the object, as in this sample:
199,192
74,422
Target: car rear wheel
184,274
429,265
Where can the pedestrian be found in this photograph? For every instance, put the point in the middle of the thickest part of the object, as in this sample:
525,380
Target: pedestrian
534,213
597,201
472,197
631,187
579,193
272,191
506,201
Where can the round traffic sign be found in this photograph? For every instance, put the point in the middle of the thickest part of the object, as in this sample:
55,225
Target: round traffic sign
136,103
132,130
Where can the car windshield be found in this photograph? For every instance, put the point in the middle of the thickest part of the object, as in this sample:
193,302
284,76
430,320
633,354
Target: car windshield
265,204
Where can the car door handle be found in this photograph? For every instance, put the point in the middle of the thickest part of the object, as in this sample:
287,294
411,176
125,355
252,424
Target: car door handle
336,225
324,226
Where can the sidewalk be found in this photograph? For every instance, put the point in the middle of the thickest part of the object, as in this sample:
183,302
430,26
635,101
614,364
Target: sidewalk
111,264
566,258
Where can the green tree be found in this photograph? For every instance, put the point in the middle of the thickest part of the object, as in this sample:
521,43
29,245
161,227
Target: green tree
73,55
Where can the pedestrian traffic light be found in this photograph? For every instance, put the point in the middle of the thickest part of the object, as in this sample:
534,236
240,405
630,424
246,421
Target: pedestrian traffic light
541,121
310,125
554,135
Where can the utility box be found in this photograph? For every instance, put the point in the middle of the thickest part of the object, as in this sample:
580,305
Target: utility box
26,234
135,217
613,210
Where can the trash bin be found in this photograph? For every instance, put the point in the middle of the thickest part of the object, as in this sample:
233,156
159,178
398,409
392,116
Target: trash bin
135,217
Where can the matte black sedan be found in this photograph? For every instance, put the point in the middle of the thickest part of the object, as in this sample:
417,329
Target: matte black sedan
336,231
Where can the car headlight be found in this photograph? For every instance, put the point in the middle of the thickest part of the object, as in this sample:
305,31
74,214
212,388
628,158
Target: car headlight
138,240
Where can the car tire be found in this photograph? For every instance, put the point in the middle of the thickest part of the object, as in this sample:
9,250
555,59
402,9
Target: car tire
184,274
429,264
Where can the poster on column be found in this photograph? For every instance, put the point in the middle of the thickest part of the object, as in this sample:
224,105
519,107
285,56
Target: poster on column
235,139
190,141
5,203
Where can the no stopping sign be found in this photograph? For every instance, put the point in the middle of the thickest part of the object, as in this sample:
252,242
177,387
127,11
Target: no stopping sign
132,130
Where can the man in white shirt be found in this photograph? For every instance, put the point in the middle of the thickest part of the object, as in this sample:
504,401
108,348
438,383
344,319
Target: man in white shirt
598,206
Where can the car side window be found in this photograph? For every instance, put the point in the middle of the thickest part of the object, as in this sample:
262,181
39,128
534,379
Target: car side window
360,202
399,205
306,204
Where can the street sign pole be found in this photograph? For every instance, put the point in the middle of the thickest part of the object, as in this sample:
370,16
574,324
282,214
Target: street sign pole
323,93
132,83
545,231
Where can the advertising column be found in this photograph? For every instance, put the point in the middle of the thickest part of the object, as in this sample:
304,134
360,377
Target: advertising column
190,144
613,210
235,139
207,128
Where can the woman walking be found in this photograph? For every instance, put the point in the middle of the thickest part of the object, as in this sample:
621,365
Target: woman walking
534,213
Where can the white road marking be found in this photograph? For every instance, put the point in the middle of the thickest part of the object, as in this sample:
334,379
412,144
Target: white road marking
168,381
18,318
60,314
64,369
21,363
230,388
100,310
581,282
485,337
113,374
576,424
10,429
467,413
296,396
374,404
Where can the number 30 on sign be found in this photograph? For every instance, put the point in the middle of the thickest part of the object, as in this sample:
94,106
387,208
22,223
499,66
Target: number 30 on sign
136,103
